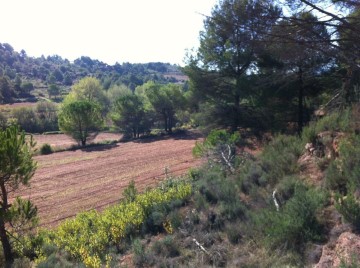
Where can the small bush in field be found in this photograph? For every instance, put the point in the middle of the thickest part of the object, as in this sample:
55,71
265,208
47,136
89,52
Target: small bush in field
46,149
130,192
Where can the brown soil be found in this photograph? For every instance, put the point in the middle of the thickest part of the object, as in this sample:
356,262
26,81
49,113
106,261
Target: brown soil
69,182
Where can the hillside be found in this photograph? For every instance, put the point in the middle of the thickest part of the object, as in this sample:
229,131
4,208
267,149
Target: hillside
290,201
28,73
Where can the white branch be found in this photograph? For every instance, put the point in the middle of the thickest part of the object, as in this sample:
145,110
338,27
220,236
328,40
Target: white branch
275,201
227,159
200,246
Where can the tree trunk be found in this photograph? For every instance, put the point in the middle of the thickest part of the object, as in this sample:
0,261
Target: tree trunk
3,235
9,258
165,121
301,102
235,122
83,142
170,124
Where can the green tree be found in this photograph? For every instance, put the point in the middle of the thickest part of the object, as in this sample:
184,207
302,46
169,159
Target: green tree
81,119
26,118
46,113
165,100
16,168
90,89
117,91
129,115
27,87
6,90
300,63
67,79
230,44
53,90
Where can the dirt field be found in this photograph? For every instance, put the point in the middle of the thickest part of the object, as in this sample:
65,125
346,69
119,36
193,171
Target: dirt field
59,141
66,183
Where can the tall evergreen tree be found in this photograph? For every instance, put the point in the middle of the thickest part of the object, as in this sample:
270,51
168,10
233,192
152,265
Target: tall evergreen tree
230,44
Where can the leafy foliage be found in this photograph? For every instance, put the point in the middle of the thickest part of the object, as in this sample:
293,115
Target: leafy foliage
81,120
296,222
219,147
46,149
130,116
88,236
16,168
349,208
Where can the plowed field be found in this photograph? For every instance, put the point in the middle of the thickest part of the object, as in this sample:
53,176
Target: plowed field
69,182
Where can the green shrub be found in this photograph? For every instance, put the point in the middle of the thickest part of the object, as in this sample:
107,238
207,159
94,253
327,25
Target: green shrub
130,192
219,147
234,233
167,247
175,219
280,157
336,121
46,149
349,208
343,174
58,259
139,257
233,210
295,223
251,176
216,187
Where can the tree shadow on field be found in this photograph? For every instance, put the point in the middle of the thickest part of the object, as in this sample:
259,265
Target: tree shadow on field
97,147
178,135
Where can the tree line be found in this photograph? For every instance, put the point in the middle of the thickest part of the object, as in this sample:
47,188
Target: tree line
23,71
271,64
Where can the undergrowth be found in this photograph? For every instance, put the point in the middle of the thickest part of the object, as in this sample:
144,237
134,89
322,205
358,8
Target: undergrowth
261,214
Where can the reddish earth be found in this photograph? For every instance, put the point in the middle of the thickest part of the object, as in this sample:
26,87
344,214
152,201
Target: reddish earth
17,105
69,182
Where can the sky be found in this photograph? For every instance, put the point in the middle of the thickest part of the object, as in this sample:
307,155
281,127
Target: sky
135,31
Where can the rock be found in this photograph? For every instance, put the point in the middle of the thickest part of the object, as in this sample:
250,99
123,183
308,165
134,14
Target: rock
346,247
313,254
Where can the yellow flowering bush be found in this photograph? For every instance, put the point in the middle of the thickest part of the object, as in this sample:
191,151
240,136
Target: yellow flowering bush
87,236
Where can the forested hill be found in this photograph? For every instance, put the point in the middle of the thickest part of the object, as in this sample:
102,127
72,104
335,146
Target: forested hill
56,70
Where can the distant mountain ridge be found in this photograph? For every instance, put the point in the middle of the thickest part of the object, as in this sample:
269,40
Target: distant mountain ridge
57,70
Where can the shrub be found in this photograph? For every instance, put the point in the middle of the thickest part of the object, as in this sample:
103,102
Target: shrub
46,149
295,223
233,210
280,157
130,192
343,174
336,121
167,247
349,208
251,176
138,248
57,259
219,147
234,233
89,235
215,187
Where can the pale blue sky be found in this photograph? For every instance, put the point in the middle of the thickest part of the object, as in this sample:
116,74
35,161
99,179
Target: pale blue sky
135,31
